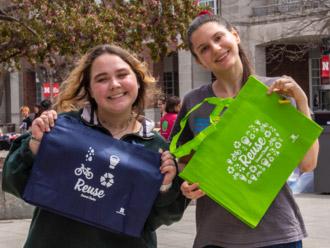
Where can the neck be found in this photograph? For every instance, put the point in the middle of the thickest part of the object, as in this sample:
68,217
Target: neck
228,83
117,125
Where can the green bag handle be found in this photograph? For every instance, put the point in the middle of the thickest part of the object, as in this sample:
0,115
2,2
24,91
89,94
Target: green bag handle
220,104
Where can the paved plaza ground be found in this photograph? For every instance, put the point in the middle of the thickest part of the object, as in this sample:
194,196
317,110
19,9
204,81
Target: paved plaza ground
315,209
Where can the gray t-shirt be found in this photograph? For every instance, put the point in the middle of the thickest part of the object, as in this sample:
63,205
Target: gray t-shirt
282,222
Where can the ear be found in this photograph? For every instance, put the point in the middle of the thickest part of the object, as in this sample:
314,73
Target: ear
236,35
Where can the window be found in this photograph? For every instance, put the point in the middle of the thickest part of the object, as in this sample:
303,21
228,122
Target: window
320,92
171,84
211,3
38,92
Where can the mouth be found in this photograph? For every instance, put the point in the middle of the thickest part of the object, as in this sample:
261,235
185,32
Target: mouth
222,56
116,96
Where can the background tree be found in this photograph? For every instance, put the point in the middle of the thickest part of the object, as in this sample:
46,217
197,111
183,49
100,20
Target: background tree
51,34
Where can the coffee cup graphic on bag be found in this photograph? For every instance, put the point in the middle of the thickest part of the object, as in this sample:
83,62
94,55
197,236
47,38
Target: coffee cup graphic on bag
114,161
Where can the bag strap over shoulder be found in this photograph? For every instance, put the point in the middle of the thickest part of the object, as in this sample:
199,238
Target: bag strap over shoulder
185,149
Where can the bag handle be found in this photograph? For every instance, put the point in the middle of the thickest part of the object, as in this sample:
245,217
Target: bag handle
185,149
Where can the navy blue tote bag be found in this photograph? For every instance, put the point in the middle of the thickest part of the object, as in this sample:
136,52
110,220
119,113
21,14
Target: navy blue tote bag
90,177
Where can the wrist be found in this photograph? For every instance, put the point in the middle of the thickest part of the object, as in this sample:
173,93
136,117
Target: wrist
34,139
165,187
304,108
34,144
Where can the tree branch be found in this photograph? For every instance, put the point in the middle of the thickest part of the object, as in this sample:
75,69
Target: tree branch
6,17
6,59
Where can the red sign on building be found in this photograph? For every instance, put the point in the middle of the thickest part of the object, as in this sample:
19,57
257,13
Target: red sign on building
49,89
325,71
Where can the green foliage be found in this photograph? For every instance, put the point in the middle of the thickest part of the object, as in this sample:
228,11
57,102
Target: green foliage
40,30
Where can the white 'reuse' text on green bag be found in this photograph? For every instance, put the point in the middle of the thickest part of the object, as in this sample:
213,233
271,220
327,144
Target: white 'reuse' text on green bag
254,152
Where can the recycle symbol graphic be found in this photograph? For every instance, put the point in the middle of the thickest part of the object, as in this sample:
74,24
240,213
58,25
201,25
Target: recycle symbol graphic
107,180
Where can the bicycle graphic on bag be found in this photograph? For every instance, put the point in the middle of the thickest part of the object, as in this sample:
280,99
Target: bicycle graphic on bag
84,170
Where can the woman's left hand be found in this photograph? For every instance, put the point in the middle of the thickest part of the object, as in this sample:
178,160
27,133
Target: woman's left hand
168,168
287,86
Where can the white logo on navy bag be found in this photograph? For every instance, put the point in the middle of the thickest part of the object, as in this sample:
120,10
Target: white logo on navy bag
107,180
121,211
84,170
114,161
90,154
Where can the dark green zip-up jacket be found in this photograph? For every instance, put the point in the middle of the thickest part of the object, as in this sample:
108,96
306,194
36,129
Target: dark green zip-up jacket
54,231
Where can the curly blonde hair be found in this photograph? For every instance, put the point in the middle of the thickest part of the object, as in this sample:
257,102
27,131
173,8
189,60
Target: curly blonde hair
74,92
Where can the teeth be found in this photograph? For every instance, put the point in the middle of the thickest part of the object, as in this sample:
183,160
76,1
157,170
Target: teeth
116,96
222,56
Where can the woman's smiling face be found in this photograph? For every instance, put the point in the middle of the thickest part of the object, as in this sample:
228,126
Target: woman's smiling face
216,47
113,85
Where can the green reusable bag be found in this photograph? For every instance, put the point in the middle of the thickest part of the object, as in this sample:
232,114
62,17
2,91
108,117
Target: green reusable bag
244,157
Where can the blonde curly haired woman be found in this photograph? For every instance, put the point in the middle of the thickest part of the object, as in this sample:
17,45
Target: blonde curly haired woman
106,91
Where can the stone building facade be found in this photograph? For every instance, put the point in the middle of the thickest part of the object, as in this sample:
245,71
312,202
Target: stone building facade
281,37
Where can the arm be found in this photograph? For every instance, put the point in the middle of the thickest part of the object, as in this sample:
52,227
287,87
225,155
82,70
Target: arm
168,208
287,86
169,204
19,161
309,161
17,166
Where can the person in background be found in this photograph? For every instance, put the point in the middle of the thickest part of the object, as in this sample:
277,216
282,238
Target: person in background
45,104
27,121
216,45
161,102
161,106
105,91
172,108
36,111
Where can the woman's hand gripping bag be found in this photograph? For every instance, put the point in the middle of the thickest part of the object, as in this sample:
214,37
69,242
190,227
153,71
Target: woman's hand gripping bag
90,177
244,158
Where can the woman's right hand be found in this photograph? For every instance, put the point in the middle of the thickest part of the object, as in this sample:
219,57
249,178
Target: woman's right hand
39,126
191,191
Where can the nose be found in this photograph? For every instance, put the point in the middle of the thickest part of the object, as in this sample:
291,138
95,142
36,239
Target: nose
114,83
215,46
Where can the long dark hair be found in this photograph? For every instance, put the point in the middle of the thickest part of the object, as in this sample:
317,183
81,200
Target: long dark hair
171,104
202,19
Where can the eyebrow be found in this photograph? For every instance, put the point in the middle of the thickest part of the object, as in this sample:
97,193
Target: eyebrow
200,46
122,70
106,74
203,44
100,75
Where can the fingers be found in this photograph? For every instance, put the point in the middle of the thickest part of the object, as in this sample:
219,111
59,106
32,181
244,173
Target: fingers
288,86
43,123
169,174
284,85
52,116
48,118
168,167
191,191
167,158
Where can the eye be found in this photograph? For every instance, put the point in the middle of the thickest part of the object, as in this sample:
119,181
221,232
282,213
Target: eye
101,80
218,38
123,74
203,49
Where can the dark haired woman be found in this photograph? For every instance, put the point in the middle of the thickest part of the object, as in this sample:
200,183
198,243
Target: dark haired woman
216,45
172,108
